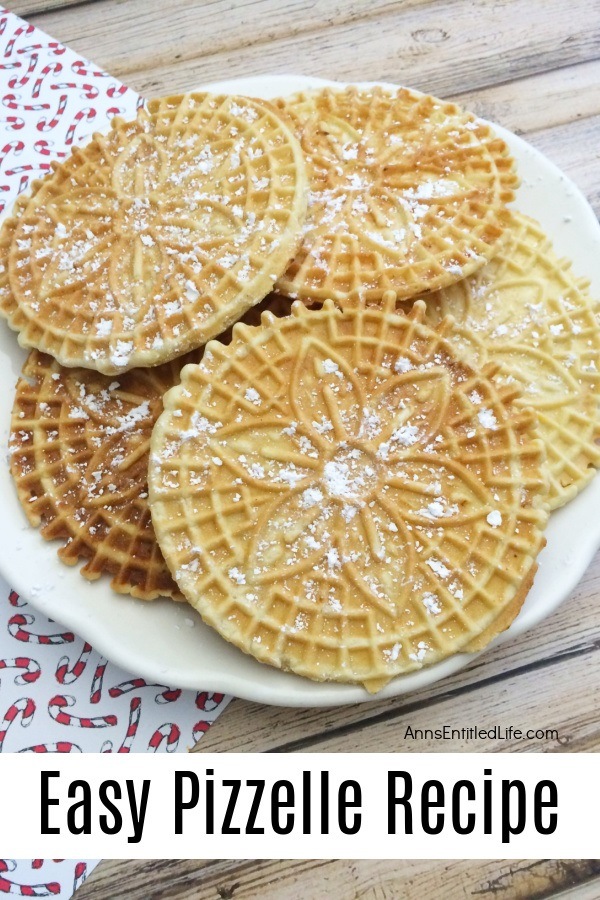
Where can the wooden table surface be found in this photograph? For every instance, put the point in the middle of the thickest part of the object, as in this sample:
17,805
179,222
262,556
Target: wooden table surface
535,68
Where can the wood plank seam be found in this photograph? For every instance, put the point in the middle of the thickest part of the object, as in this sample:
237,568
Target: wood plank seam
515,82
397,712
539,62
498,885
23,10
263,37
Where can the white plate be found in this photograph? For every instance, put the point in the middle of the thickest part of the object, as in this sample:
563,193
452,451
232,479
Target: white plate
168,642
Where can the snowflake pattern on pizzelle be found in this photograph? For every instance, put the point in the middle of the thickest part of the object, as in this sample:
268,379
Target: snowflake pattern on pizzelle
170,227
407,193
339,495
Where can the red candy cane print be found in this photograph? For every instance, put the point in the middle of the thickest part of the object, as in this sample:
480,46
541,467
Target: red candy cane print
46,148
80,875
207,701
90,91
21,81
24,890
80,67
13,122
96,691
132,727
64,675
58,704
25,707
119,689
168,732
41,167
135,710
14,147
24,29
32,669
116,90
84,114
16,629
15,600
50,69
56,747
44,124
23,182
12,102
199,729
167,695
55,48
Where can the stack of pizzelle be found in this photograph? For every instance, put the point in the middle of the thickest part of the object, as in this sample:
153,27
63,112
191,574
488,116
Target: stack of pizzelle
350,487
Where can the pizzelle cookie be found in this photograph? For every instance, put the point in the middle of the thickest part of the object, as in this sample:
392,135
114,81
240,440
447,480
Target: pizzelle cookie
79,459
150,240
407,193
340,496
527,311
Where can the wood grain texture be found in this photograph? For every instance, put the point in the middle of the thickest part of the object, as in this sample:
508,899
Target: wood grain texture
535,68
439,46
29,8
343,880
196,29
537,102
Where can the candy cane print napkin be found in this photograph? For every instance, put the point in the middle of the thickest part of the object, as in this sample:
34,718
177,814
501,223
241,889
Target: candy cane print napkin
57,695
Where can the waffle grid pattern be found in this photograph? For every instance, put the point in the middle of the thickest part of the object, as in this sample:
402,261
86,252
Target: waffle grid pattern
407,193
79,458
152,239
361,579
528,312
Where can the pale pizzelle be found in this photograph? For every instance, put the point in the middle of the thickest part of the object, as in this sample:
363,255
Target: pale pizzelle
527,311
340,496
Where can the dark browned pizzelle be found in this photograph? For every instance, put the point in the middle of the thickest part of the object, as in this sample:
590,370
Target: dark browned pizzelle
79,459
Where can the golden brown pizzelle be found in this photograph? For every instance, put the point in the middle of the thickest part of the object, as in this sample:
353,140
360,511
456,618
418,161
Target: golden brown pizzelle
407,193
349,492
150,240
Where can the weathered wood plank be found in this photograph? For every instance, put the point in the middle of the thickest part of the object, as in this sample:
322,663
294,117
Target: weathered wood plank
29,8
195,29
525,699
439,47
344,880
539,101
563,695
589,891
